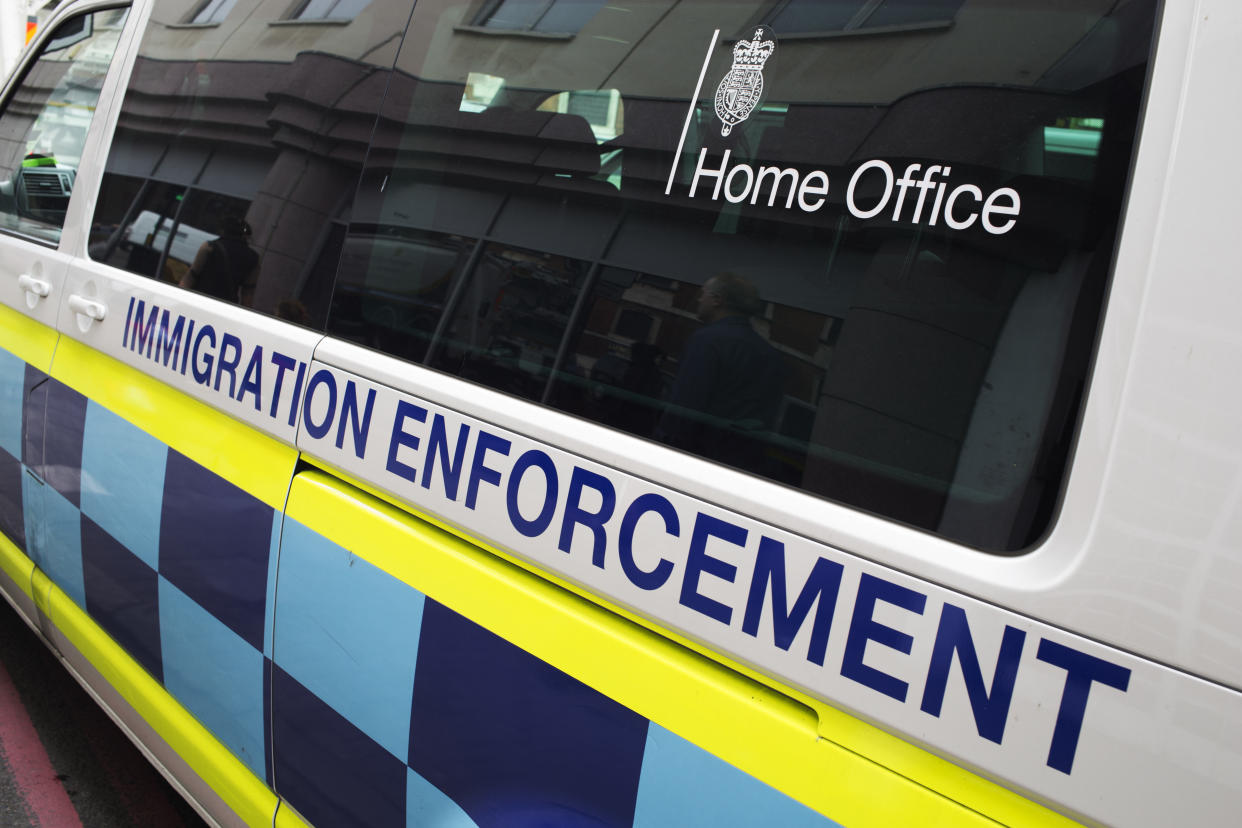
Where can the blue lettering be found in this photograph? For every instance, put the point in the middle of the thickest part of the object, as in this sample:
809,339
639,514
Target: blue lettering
322,377
401,438
821,586
144,333
129,315
643,504
283,363
1081,671
698,562
437,446
228,363
479,470
185,355
575,514
991,709
202,368
297,393
864,628
349,403
168,345
252,382
536,527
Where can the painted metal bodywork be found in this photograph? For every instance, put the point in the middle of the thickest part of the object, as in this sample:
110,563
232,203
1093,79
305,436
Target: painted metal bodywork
163,521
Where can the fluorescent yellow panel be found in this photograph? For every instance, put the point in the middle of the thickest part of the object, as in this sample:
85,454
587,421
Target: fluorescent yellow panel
16,565
26,339
244,456
240,789
764,732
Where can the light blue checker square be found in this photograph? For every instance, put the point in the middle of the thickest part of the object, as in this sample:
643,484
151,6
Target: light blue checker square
123,482
425,804
337,621
60,544
682,784
213,672
12,392
34,517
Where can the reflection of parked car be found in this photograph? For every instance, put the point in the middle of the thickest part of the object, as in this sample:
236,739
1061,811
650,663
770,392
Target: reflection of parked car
146,238
150,229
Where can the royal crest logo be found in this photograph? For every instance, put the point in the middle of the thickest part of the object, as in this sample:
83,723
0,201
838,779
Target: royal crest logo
742,87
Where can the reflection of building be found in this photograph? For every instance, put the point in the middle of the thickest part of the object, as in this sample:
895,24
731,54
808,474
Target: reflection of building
278,140
516,225
313,93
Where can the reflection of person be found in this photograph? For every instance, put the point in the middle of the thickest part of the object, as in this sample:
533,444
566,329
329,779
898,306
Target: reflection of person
225,267
729,376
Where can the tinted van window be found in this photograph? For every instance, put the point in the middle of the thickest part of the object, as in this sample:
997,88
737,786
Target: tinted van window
238,149
867,264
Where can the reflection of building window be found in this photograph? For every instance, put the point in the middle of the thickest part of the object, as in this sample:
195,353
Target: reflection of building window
212,11
789,16
544,16
329,9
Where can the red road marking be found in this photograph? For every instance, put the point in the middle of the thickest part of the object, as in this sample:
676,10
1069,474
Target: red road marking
32,770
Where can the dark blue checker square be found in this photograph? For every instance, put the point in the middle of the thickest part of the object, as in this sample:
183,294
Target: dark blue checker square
34,403
62,440
12,524
122,594
330,771
215,540
513,740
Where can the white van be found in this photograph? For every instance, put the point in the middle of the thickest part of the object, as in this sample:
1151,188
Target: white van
841,436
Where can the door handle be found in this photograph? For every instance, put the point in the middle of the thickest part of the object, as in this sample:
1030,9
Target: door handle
87,307
36,287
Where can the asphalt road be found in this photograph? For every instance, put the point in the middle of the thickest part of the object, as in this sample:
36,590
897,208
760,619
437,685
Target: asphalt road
63,763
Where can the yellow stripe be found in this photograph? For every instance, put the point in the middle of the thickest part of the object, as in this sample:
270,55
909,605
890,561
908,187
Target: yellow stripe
246,457
26,339
834,726
845,772
16,565
240,789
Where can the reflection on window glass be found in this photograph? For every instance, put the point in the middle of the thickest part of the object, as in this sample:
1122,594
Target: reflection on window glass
903,12
547,16
878,287
844,15
232,172
815,15
330,9
43,126
213,11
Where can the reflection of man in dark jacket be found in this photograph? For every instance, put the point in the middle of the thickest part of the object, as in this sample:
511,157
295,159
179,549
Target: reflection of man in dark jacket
729,380
226,267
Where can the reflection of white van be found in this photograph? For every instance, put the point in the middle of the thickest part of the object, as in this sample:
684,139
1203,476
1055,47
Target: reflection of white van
151,230
377,549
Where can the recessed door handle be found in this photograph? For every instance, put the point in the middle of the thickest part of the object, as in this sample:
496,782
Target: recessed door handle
87,307
37,287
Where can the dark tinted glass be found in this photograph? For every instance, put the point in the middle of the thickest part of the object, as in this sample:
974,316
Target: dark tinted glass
870,268
238,151
815,15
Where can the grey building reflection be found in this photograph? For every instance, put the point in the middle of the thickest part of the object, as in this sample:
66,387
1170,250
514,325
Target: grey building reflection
512,224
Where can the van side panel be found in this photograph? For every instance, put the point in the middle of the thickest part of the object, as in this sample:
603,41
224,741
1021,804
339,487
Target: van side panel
413,623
